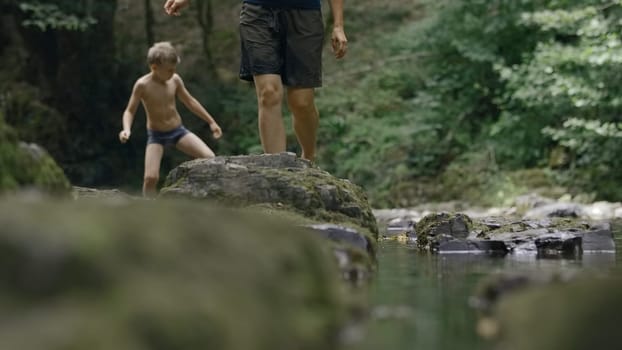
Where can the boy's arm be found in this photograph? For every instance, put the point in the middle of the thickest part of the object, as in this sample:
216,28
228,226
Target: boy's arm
130,111
195,106
338,38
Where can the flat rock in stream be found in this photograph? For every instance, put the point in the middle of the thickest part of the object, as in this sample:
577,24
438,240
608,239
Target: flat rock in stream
547,237
469,246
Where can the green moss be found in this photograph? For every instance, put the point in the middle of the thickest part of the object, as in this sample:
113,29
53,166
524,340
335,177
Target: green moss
282,180
297,218
310,179
7,134
426,229
560,224
164,275
24,169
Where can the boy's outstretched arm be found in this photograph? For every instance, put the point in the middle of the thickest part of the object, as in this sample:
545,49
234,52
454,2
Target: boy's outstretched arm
130,111
195,107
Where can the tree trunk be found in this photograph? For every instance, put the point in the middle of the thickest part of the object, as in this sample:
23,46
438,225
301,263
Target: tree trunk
206,22
149,21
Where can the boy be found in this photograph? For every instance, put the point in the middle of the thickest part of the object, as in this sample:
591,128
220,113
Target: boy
157,91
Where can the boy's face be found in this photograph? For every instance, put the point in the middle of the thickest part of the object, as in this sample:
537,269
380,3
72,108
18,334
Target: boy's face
164,71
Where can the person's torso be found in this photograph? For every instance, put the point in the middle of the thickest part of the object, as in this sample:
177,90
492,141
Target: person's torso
159,102
289,4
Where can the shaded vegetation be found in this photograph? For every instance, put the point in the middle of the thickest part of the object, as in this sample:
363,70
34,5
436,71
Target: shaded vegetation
437,100
27,166
501,82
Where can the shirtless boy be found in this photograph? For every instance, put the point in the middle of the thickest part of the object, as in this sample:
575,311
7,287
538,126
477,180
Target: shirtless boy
157,91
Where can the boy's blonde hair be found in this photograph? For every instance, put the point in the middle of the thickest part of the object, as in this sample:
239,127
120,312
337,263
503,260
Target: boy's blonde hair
162,52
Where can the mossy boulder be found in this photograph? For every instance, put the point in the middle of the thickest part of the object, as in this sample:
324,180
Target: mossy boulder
550,237
163,275
280,181
25,165
439,227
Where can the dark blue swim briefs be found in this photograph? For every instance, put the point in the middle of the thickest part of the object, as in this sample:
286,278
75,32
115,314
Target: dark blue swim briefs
165,138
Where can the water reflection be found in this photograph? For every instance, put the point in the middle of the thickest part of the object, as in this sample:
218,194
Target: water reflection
421,301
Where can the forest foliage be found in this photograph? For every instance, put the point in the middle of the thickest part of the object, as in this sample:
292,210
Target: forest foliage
486,87
437,100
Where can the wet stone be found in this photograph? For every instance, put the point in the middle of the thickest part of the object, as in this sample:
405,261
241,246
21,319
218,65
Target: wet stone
558,245
473,247
341,234
598,241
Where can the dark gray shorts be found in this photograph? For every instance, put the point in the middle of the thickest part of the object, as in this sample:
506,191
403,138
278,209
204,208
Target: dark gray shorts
166,138
287,42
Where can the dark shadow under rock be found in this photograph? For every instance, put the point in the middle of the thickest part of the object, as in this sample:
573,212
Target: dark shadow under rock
565,245
343,234
496,248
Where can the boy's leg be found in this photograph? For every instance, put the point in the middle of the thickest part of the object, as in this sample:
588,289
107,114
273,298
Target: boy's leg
153,157
306,119
193,146
269,90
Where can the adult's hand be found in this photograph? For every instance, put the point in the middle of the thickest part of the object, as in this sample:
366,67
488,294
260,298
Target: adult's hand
172,7
339,42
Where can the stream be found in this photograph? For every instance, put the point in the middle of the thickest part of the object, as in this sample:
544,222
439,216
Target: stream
421,301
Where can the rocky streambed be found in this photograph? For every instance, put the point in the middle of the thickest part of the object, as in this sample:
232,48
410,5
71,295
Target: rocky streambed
544,228
542,274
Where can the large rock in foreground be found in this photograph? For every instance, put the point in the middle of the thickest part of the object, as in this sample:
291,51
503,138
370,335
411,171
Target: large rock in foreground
162,275
281,181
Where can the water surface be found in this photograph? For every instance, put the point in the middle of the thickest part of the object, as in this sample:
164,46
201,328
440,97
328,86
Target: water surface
421,301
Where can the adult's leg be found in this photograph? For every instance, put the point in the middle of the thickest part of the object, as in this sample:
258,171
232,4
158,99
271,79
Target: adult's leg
269,90
153,157
193,146
301,103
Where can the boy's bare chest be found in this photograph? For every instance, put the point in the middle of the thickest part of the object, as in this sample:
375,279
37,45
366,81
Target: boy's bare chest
159,93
